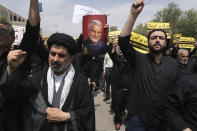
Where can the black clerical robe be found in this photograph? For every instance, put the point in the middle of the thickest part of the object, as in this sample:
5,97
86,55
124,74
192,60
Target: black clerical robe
79,103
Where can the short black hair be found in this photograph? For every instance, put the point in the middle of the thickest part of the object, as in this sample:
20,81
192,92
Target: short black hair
148,36
10,28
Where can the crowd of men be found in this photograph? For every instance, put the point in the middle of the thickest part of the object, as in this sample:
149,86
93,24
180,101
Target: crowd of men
47,88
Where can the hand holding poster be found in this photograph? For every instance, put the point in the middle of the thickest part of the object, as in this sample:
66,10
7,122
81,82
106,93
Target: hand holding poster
94,35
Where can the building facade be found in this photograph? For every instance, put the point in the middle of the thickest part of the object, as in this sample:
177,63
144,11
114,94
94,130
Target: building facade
12,17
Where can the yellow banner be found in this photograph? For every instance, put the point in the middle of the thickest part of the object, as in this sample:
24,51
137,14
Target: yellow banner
158,25
140,50
114,33
138,41
184,40
168,35
134,37
189,46
139,38
177,35
187,39
175,41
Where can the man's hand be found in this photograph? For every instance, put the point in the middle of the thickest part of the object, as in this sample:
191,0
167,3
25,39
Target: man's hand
114,42
178,42
56,115
137,7
195,44
187,129
103,74
111,39
93,84
106,28
14,59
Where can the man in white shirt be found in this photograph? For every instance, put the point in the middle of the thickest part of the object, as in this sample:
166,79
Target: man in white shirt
107,69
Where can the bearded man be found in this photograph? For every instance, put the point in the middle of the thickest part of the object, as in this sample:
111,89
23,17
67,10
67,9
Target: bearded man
93,43
153,76
60,96
186,66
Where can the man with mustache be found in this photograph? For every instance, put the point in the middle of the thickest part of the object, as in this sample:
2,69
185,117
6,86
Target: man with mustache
7,37
10,107
183,57
94,48
153,76
93,44
60,96
186,66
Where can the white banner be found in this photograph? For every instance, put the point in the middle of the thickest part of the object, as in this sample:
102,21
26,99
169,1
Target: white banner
19,31
80,11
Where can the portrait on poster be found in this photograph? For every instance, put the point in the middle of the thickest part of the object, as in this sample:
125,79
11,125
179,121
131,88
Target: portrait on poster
94,35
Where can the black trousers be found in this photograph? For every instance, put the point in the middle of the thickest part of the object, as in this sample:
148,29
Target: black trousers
120,104
108,79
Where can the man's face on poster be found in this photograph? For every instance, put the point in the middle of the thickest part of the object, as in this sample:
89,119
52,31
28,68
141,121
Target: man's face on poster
95,33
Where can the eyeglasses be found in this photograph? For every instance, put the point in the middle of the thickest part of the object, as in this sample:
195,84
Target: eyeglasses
3,31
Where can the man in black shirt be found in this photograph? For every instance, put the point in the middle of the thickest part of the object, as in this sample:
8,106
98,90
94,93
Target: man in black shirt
181,106
182,57
7,37
12,110
154,74
186,66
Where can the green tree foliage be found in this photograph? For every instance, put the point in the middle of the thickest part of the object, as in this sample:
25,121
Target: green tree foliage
184,22
170,14
140,29
4,19
113,28
187,24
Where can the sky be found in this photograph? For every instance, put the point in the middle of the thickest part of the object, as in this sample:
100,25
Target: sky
57,14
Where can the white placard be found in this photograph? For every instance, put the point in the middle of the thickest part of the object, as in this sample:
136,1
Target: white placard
80,11
19,31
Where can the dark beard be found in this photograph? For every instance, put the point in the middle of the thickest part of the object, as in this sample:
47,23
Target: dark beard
151,48
61,69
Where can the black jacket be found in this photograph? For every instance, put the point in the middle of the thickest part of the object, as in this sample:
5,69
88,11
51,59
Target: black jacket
150,85
181,107
79,103
11,105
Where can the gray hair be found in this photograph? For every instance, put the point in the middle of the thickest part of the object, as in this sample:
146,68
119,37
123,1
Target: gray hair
10,28
94,22
182,50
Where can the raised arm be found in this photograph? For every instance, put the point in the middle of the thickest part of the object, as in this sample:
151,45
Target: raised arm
112,53
34,16
31,35
124,40
136,8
